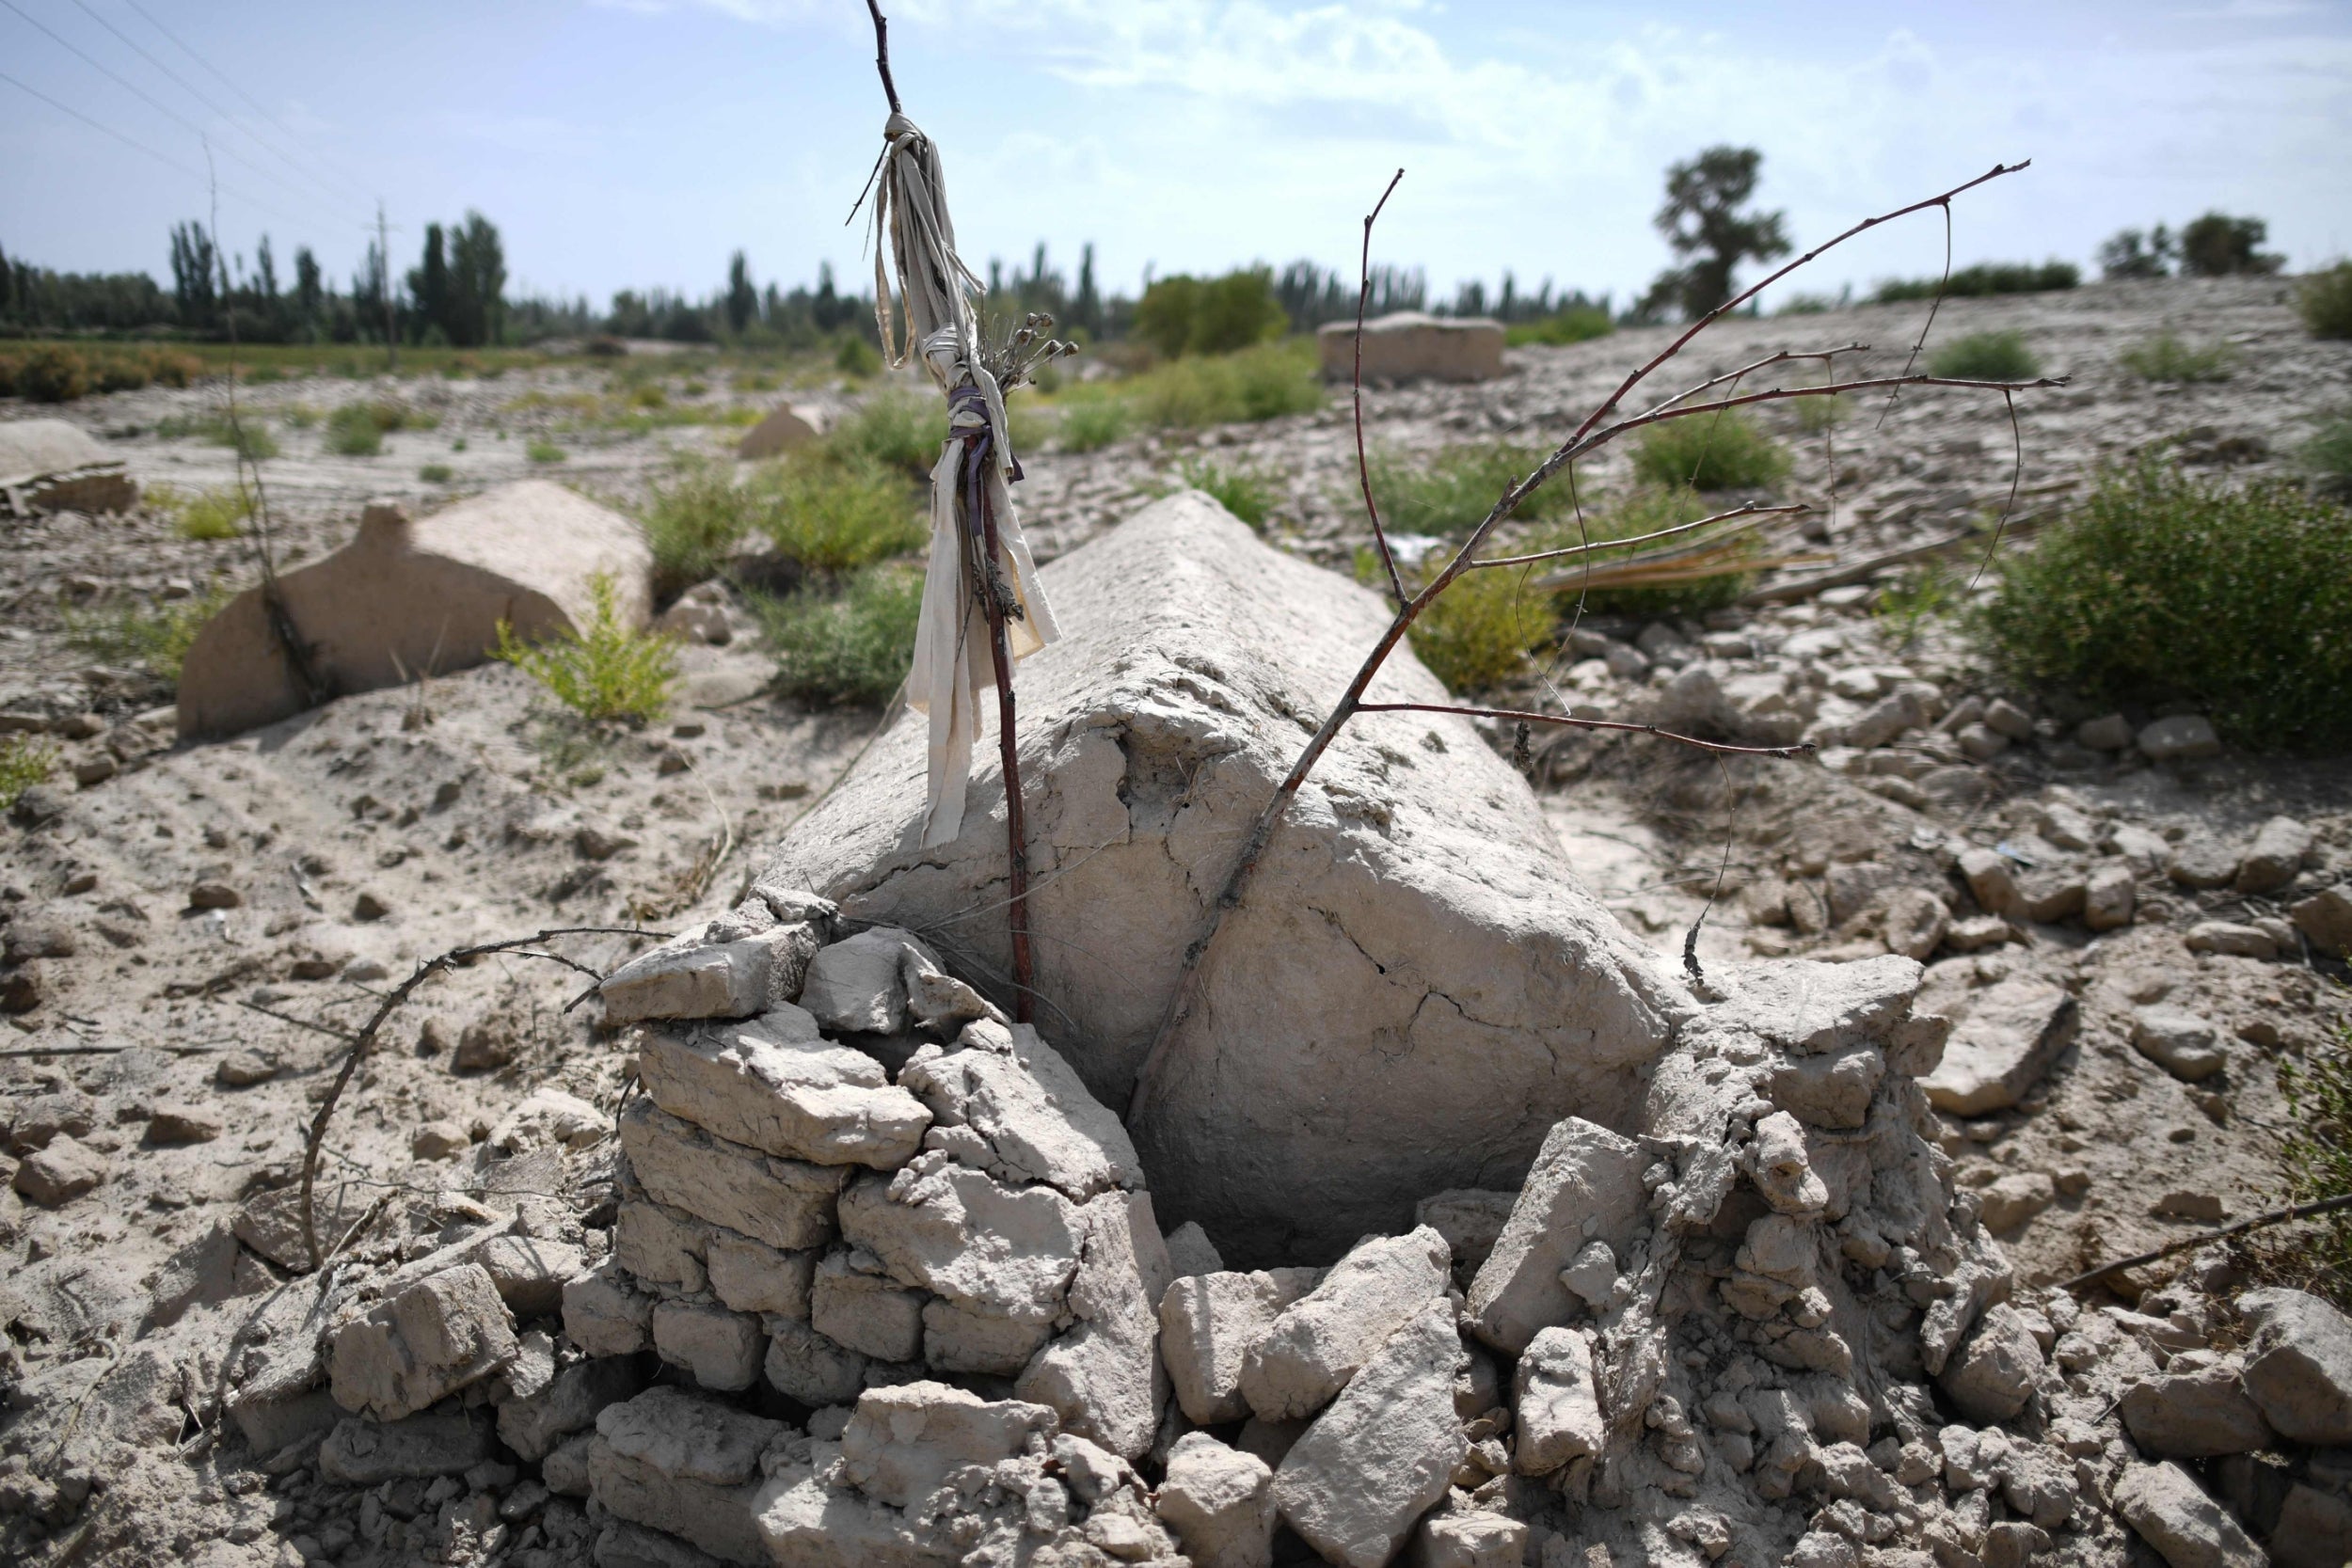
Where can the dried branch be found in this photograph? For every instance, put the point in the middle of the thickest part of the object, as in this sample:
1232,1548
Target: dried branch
2257,1222
364,1040
1517,716
1591,546
1363,466
882,55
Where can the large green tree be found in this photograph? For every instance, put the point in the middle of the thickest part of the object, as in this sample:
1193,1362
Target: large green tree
1704,221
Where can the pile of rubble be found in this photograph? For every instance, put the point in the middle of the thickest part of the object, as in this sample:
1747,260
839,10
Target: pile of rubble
857,1314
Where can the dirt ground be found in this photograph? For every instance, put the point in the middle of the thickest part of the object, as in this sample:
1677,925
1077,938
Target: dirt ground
202,921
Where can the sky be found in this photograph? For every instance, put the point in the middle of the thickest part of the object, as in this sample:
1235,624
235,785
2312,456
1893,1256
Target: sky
635,143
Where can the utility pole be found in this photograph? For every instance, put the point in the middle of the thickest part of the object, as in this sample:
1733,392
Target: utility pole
384,289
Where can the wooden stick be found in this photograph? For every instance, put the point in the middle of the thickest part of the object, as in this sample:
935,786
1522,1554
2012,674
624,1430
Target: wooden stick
1016,837
2275,1216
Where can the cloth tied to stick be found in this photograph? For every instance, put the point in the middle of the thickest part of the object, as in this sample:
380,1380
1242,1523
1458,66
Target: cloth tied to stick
954,659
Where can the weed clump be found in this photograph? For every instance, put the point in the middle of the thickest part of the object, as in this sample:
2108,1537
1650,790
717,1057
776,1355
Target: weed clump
1264,382
2324,300
1986,357
1983,279
892,431
2327,455
1907,604
606,671
357,429
436,473
2168,357
2166,588
1475,635
832,513
214,515
1091,423
540,450
25,760
2315,1159
1577,325
1183,314
1451,492
1710,451
157,637
1247,493
694,523
850,649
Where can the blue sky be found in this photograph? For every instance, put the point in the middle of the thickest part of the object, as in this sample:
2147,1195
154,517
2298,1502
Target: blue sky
634,142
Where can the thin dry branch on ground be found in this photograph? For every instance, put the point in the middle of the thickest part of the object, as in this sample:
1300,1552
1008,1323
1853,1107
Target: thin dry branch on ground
1595,431
362,1040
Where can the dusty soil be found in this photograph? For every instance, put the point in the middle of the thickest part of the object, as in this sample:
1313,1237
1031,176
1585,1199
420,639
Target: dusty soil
201,922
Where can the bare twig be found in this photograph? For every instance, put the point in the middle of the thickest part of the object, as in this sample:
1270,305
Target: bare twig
2258,1222
364,1040
1517,716
882,55
1592,546
1363,468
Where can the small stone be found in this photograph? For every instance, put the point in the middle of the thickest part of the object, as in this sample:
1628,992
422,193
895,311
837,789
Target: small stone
368,1453
369,906
2184,1044
2108,733
1982,742
2298,1364
1190,1252
1991,1375
1557,1404
241,1070
1220,1503
2203,861
2188,1205
2185,737
1309,1352
214,895
2110,894
183,1124
2279,848
604,1314
2013,1199
868,1313
1916,921
484,1046
2229,937
1976,933
2005,718
1991,878
2194,1412
2172,1513
720,1349
446,1330
60,1172
2326,918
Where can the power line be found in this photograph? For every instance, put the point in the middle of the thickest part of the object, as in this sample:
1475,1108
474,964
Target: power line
164,158
190,89
142,95
189,50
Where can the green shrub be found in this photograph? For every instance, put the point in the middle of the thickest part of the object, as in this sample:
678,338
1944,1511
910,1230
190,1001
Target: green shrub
436,473
1645,510
893,430
833,513
2168,357
2325,299
1248,494
1906,605
857,357
1475,635
606,671
1986,357
248,435
1982,280
1183,314
1578,326
352,431
1450,492
850,649
695,521
301,415
2329,454
1710,451
25,760
2164,587
541,449
1816,414
157,637
1264,382
52,375
2315,1159
1091,423
219,513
